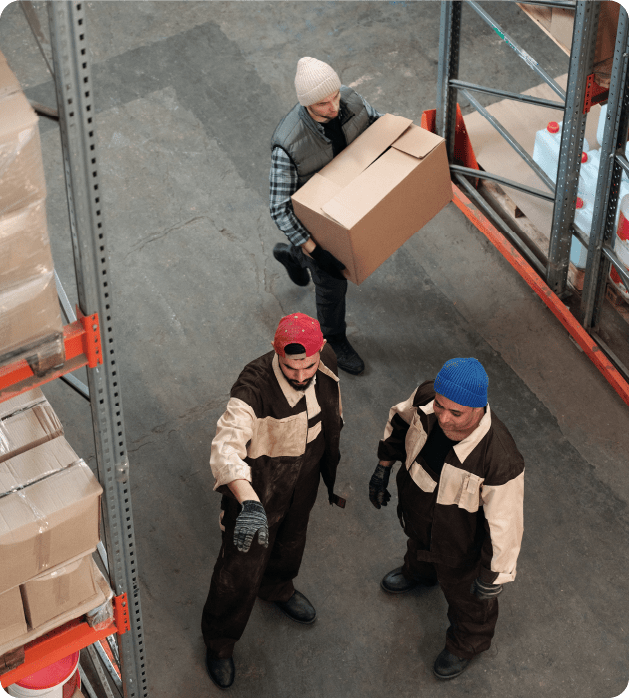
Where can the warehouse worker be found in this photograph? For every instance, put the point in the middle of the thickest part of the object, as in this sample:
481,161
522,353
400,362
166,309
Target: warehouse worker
280,431
328,117
460,501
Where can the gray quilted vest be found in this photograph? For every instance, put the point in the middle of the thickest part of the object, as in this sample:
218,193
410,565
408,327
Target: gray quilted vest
306,146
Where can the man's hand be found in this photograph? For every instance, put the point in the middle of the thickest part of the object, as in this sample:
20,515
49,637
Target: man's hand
328,262
251,520
484,590
379,495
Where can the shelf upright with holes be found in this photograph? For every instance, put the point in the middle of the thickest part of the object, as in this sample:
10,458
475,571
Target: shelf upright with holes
90,342
550,268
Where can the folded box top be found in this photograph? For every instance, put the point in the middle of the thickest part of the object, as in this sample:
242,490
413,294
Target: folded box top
38,463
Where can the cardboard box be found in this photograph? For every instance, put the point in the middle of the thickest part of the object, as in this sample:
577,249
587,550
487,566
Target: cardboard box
49,511
30,316
384,187
21,170
26,422
20,401
58,591
12,621
102,595
562,25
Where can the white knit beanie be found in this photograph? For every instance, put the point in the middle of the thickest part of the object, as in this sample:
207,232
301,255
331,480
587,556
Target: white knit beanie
314,81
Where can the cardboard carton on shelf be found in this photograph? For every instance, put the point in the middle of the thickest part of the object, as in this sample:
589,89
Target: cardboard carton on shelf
49,511
30,318
12,620
26,421
562,25
58,591
20,401
384,187
102,594
21,169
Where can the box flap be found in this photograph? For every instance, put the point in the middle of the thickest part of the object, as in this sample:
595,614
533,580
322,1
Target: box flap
8,82
37,464
361,152
417,141
20,402
357,199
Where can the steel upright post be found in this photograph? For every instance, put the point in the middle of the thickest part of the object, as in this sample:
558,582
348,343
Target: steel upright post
608,184
449,44
581,65
75,101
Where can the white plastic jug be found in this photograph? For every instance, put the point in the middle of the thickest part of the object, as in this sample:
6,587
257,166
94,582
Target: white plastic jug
588,176
583,220
546,148
600,128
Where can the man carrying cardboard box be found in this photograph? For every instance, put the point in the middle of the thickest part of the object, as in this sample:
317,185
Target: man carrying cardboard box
279,435
460,501
328,117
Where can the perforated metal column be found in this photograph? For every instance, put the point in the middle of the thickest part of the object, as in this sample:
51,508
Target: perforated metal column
449,47
608,184
75,101
581,65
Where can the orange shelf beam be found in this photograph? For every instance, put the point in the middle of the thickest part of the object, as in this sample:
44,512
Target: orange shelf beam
554,303
82,348
69,638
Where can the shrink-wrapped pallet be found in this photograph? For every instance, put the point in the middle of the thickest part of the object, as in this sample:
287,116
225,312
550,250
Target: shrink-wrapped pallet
30,319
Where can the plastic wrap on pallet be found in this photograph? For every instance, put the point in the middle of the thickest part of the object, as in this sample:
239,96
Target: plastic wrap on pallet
30,318
101,617
5,440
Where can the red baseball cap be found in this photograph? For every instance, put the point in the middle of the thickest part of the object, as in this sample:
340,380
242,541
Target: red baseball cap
298,328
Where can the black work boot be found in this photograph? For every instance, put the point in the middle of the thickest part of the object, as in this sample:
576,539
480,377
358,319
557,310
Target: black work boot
298,275
346,356
448,665
221,671
396,583
298,608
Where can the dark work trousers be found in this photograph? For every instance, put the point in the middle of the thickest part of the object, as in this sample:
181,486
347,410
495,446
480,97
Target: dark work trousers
472,620
265,572
329,294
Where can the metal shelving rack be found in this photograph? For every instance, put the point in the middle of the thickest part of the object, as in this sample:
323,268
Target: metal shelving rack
575,102
68,60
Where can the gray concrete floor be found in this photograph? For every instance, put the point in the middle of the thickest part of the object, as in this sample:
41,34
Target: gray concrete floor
187,96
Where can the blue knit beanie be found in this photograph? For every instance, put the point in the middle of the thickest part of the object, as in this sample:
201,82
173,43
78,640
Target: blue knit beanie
463,381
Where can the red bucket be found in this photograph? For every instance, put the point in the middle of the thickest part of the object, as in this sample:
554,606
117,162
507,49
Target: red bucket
58,680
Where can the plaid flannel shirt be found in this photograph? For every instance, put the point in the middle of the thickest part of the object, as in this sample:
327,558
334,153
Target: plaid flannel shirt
283,184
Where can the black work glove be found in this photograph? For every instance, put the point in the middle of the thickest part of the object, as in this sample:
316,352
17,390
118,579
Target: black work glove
328,262
484,590
379,495
251,520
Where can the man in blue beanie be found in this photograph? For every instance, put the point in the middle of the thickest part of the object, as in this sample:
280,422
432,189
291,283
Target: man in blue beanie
460,501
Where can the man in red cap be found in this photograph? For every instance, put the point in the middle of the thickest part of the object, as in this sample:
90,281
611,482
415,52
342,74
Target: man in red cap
280,432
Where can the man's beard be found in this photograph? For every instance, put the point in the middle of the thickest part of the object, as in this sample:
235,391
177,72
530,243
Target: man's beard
296,384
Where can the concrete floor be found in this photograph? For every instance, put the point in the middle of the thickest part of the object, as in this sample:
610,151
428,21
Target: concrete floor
187,97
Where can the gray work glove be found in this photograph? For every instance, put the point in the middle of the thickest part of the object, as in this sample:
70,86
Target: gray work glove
328,262
251,520
484,590
379,495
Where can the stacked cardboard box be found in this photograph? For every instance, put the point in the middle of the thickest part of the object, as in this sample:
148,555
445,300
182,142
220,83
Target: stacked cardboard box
30,320
561,28
49,524
558,23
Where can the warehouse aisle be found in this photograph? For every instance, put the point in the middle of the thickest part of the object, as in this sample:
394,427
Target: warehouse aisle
187,96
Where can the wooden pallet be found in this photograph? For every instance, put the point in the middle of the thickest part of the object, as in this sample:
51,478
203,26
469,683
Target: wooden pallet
501,201
616,298
505,204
